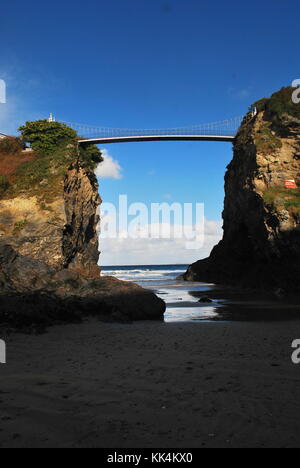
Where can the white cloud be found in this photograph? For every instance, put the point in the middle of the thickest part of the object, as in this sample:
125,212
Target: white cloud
13,114
21,94
147,251
109,168
25,94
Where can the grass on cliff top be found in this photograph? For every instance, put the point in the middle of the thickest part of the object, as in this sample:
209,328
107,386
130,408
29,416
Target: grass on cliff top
278,104
44,175
283,199
41,172
36,174
279,110
9,163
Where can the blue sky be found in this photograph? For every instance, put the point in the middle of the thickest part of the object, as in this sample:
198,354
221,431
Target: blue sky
148,64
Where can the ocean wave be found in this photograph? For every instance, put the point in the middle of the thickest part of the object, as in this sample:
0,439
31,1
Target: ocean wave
142,272
145,274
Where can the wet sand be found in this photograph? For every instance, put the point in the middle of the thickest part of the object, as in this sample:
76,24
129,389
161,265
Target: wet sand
175,385
233,304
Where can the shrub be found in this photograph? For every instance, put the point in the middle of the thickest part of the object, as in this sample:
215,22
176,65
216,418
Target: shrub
19,226
90,156
278,104
261,104
3,184
11,145
52,138
46,137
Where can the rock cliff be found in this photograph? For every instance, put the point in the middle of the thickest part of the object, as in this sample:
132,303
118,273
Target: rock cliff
49,217
59,230
261,242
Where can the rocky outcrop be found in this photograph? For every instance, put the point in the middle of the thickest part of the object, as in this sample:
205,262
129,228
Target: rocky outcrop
49,254
52,291
261,242
59,230
80,234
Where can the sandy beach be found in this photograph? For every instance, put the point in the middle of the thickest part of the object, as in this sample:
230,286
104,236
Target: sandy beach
209,384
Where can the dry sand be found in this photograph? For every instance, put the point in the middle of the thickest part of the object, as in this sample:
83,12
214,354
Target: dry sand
152,385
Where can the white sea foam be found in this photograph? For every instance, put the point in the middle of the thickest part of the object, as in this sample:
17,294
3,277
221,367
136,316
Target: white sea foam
143,273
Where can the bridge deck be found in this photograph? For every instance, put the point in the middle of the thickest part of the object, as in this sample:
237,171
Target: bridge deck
128,139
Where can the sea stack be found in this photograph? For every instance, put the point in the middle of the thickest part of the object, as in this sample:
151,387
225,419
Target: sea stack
49,236
261,242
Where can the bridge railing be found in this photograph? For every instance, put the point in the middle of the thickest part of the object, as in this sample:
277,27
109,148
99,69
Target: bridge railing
224,128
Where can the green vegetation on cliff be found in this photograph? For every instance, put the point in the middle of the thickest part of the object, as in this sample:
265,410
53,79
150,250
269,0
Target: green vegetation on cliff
90,156
19,226
283,199
266,141
278,121
54,149
4,184
278,104
51,138
46,137
46,173
11,145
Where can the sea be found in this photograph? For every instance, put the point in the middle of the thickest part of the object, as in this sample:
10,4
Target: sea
181,297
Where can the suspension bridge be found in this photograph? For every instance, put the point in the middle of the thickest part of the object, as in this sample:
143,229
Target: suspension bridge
224,130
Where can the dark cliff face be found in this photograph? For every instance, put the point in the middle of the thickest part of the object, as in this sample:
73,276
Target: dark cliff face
80,247
60,228
261,242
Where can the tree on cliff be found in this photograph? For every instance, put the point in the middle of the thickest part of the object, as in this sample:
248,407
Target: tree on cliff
90,156
46,137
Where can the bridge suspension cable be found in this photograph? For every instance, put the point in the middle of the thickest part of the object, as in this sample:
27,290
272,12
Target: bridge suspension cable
225,128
